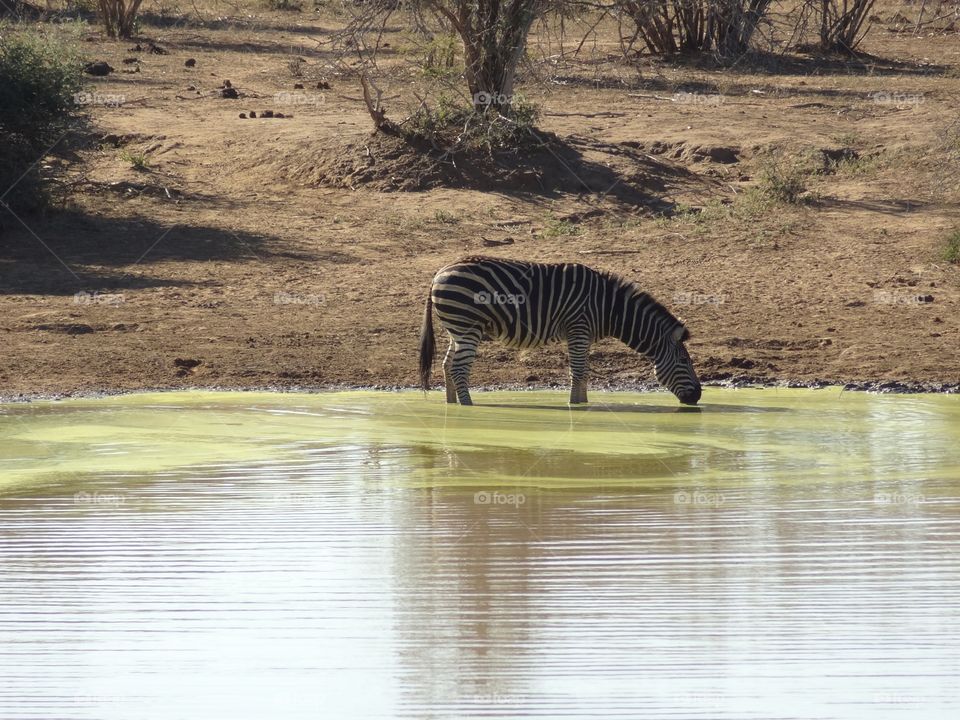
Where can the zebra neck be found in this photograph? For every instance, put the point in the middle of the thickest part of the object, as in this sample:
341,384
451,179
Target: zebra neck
639,321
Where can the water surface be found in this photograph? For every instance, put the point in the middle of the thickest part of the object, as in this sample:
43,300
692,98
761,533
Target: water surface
773,554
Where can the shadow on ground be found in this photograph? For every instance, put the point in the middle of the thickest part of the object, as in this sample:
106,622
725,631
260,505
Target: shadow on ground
65,252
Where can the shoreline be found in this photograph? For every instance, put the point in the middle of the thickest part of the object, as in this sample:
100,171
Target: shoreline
887,387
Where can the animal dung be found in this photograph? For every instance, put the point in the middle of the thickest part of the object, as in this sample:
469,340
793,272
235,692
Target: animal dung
98,68
265,114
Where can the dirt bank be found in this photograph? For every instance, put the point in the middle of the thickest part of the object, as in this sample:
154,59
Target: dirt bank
225,260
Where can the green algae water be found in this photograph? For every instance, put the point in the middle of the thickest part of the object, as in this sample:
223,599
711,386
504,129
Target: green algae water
771,553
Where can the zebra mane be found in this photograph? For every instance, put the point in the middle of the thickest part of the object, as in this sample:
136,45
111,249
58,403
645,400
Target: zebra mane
633,291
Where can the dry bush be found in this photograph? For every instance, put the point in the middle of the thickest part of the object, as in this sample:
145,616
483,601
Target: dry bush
118,16
723,27
842,23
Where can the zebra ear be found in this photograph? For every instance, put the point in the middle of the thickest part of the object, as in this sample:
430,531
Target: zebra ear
680,334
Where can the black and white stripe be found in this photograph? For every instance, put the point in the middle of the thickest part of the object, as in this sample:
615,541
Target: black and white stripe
525,305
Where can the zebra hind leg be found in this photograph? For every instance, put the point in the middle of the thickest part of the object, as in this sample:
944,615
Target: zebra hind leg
464,353
448,373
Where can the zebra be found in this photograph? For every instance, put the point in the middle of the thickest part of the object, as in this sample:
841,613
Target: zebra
523,304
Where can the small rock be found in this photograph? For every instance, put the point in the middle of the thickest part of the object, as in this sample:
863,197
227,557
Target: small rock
323,85
243,116
185,365
130,61
739,362
266,113
278,115
298,86
98,68
157,50
189,62
253,114
229,93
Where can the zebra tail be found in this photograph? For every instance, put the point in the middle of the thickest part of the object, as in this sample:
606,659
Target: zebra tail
428,345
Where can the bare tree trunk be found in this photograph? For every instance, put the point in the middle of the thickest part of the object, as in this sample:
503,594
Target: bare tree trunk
494,36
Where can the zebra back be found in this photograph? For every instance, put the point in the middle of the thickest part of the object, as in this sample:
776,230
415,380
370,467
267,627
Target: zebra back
527,304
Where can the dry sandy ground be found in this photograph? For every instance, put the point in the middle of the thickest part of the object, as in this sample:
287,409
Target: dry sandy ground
229,262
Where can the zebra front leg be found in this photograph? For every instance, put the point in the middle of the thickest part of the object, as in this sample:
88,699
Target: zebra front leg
464,353
578,348
448,373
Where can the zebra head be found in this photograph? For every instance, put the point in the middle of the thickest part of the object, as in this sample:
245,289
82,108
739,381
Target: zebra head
673,367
